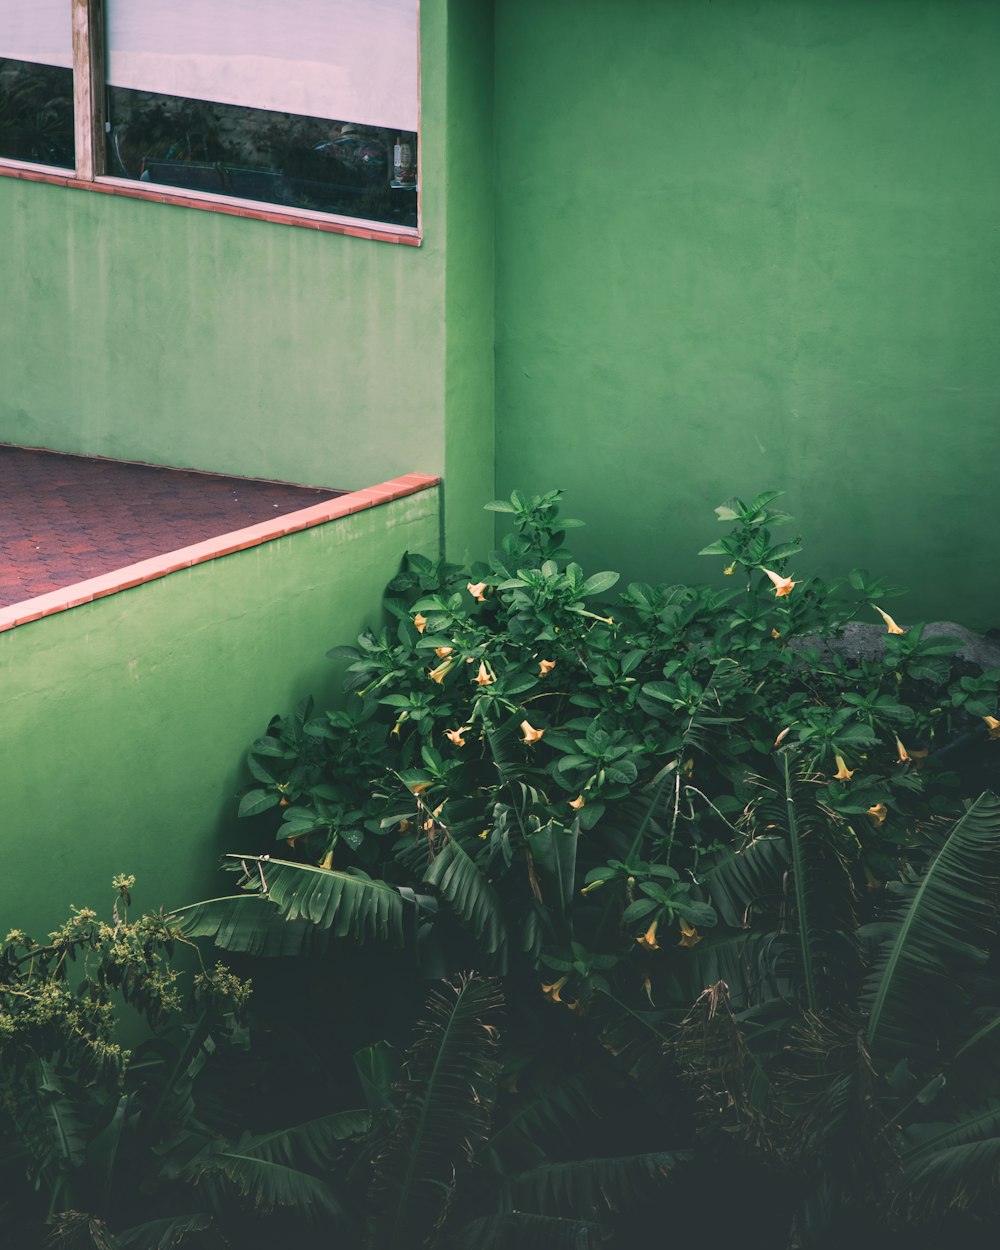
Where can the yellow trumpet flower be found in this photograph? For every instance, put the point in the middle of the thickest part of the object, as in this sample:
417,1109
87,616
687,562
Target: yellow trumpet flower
327,860
441,672
648,939
531,734
420,787
545,667
782,585
443,652
843,773
456,736
551,992
783,735
421,622
891,625
730,569
484,677
993,725
689,935
878,813
476,591
901,751
577,803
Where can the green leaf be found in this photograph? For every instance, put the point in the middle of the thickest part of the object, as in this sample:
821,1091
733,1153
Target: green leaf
586,1186
599,582
266,1184
461,884
348,904
66,1131
250,924
953,1163
377,1068
934,933
255,801
316,1141
444,1110
164,1234
520,1230
783,550
721,547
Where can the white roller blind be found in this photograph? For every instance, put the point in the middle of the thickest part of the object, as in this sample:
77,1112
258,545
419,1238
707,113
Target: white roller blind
353,60
37,30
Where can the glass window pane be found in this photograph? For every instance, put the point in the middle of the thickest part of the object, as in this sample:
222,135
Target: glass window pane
36,82
255,154
36,113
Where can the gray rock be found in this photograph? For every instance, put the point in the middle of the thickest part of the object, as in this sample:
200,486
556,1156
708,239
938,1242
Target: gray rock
863,641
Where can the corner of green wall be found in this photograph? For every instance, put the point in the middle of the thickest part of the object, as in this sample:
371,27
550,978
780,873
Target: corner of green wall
469,287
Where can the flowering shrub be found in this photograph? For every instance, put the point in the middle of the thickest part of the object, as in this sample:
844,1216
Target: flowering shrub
568,775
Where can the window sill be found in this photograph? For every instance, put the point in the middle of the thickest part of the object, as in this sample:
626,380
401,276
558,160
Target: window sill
255,211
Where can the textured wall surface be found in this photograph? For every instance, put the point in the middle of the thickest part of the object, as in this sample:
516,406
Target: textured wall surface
165,334
151,332
752,245
126,720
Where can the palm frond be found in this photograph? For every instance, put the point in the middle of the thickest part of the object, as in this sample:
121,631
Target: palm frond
518,1230
444,1108
825,919
79,1230
636,815
266,1184
250,924
315,1142
710,1045
501,739
953,1164
65,1132
933,936
349,904
557,1108
744,960
586,1186
164,1234
636,1038
737,884
461,883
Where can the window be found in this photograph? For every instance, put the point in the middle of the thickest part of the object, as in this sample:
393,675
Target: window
308,107
36,82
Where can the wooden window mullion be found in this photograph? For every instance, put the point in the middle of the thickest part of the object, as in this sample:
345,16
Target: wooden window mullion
88,88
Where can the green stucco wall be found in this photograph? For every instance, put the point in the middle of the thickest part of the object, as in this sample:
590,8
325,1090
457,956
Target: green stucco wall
159,333
469,374
743,245
126,720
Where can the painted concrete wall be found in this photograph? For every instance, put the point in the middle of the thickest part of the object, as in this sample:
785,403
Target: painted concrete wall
165,334
126,720
752,245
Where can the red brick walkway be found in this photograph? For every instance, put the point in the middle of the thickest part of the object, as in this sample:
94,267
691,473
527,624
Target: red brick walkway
66,518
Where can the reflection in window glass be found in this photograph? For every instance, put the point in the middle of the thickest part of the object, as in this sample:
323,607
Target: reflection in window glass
257,154
36,113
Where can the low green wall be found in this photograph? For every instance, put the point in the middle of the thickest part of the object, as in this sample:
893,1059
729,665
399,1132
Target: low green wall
126,720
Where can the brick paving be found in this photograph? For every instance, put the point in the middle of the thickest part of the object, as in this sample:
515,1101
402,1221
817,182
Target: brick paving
66,518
